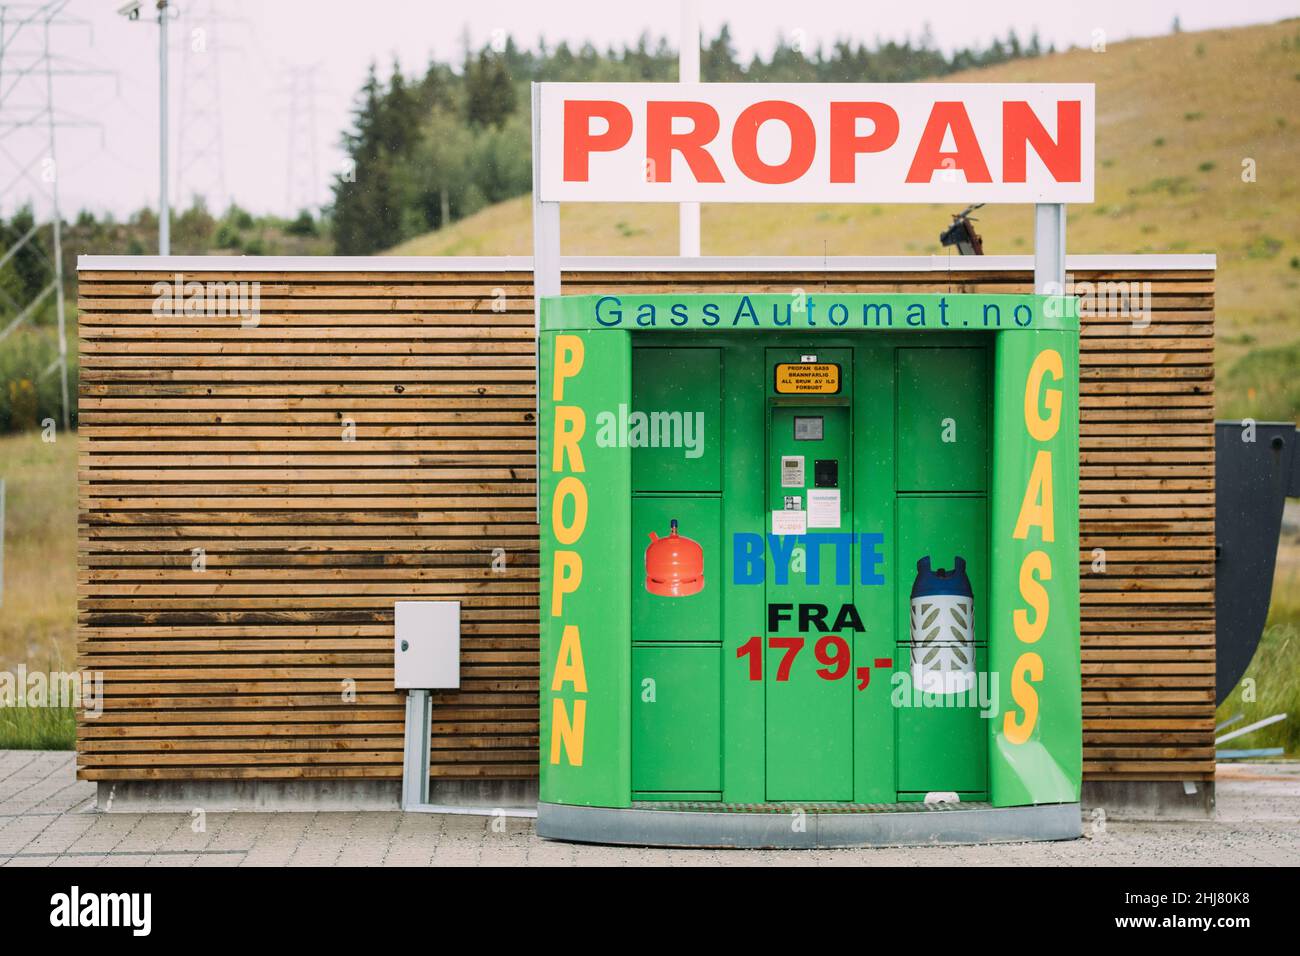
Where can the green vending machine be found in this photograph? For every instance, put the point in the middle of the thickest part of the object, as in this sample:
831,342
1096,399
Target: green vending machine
817,561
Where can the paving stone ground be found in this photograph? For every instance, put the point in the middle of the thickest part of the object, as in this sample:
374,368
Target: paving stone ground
47,818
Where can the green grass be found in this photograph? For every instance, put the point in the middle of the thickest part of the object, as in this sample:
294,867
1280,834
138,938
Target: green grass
1276,666
38,728
1276,675
1264,385
29,382
38,616
39,611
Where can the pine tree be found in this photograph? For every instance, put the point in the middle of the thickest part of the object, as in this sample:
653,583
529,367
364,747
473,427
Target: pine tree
718,59
489,93
361,191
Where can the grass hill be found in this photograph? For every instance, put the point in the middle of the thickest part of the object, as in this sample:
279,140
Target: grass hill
1176,118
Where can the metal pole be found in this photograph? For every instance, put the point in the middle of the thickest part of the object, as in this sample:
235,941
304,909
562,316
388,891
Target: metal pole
57,221
415,746
546,260
1266,722
688,71
1049,249
164,207
546,224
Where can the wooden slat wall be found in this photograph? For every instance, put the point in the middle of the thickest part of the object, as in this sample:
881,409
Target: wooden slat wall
197,434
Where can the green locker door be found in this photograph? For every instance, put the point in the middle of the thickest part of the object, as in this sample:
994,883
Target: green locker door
676,722
943,419
674,426
696,618
942,747
809,714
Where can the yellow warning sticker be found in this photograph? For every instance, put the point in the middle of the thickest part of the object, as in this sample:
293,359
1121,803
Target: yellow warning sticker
808,378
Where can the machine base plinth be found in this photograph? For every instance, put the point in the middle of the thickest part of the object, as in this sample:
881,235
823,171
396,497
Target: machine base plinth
807,826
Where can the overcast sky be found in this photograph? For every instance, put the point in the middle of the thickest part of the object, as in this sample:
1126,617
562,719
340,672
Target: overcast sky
244,108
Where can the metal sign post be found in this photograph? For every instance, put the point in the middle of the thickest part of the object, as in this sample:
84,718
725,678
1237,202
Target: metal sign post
1049,248
546,259
546,224
688,71
415,749
616,142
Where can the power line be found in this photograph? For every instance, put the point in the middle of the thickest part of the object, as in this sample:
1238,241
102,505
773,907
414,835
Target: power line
28,67
302,174
201,157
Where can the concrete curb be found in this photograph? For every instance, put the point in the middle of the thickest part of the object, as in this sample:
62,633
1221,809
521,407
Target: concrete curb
818,830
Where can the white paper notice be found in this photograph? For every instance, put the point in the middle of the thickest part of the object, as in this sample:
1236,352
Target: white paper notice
789,522
823,507
792,471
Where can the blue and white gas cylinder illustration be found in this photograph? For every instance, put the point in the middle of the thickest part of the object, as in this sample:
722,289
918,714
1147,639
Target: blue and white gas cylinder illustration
943,629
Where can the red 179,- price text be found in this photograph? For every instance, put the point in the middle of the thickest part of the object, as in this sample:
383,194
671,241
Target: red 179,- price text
831,651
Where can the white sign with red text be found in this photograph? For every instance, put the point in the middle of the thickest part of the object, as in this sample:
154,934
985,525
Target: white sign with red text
813,142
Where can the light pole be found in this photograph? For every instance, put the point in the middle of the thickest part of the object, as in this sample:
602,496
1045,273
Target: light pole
688,71
165,209
132,12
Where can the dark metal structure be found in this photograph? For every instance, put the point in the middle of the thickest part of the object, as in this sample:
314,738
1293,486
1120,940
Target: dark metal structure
962,233
1256,469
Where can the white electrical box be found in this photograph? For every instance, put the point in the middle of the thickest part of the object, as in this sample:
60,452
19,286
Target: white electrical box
426,645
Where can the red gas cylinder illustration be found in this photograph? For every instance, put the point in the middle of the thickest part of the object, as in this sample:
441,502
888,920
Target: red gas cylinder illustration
674,566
